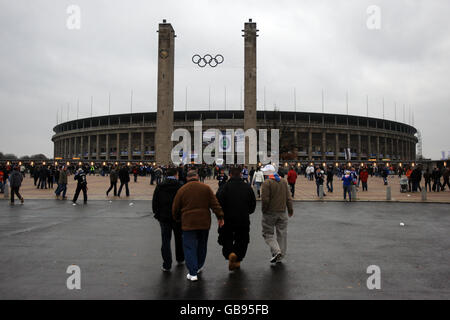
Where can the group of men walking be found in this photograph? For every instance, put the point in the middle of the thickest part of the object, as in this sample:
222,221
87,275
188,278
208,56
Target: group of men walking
185,212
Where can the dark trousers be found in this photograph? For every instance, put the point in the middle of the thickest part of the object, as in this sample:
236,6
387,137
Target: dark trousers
234,239
348,189
127,191
364,186
437,185
113,185
135,178
195,244
318,184
446,183
330,185
292,185
61,188
42,183
77,193
428,184
15,190
166,236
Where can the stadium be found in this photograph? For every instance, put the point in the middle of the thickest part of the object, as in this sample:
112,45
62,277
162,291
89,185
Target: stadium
304,136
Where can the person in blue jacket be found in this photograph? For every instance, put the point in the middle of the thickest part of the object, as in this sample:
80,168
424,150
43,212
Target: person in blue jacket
347,181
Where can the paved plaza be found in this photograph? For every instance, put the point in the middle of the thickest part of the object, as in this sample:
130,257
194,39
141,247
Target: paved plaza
305,190
330,245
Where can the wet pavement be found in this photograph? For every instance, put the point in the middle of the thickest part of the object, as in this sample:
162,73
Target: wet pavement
330,245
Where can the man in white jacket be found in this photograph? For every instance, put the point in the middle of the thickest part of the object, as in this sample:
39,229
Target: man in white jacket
258,179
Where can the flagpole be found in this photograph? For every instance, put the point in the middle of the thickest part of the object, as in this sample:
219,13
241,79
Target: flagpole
323,102
346,100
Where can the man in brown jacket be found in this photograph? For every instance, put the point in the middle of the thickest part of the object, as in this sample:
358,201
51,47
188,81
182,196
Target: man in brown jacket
275,198
192,205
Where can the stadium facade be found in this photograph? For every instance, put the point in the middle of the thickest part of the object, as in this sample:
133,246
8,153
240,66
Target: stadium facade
303,136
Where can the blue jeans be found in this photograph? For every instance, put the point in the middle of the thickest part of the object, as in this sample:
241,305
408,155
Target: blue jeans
195,244
61,188
258,187
330,185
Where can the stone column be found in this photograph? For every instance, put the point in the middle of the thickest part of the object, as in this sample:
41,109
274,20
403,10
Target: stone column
130,152
164,116
392,148
398,152
76,147
81,147
378,147
142,145
98,147
66,155
310,157
118,147
89,147
250,121
369,147
406,150
385,147
324,145
107,147
70,148
337,147
359,146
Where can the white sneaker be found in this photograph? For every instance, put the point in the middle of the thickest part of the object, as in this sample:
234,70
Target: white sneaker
165,270
192,278
276,258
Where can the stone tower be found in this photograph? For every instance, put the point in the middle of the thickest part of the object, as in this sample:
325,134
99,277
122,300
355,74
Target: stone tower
164,116
250,34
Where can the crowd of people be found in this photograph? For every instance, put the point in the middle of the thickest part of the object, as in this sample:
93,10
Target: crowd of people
182,201
47,176
183,208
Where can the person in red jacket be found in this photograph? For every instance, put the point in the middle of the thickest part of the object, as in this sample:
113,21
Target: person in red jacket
364,176
292,178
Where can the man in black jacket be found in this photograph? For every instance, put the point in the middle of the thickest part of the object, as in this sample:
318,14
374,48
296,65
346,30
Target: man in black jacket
162,208
80,177
113,182
16,181
124,177
238,201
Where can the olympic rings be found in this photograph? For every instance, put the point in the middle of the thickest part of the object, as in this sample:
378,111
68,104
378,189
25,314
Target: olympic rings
207,60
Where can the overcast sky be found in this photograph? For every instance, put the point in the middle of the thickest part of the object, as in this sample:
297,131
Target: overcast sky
307,45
